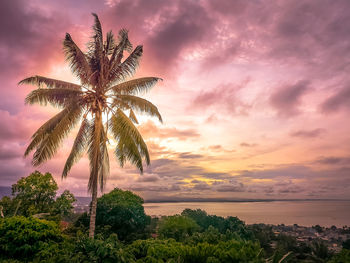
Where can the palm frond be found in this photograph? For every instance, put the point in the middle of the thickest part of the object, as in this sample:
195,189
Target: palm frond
140,104
95,55
128,138
52,140
79,146
46,128
132,117
127,68
39,81
123,44
77,59
123,40
56,97
127,150
98,36
135,86
109,44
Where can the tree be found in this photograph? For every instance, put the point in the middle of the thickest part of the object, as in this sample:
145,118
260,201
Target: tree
177,227
34,194
123,212
227,225
102,102
120,212
64,204
7,207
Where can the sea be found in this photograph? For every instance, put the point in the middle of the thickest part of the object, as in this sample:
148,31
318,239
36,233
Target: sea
304,213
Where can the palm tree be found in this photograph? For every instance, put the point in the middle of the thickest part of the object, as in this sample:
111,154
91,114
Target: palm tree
103,102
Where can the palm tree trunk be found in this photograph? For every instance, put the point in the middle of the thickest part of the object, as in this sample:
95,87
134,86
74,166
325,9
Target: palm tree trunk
93,210
95,171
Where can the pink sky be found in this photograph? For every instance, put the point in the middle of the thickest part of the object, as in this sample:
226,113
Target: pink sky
255,97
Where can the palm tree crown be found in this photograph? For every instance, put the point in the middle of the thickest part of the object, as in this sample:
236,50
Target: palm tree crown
104,91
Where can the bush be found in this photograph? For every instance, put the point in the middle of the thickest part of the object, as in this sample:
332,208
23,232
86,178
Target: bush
228,226
23,238
177,227
342,257
173,251
98,250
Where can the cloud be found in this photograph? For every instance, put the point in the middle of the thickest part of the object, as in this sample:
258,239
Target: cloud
292,171
15,127
245,144
333,160
339,100
215,147
150,130
308,133
10,151
223,97
188,155
153,188
288,99
291,190
168,29
231,187
201,186
29,43
148,178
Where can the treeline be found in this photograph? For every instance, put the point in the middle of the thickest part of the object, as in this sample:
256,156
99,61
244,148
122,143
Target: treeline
38,227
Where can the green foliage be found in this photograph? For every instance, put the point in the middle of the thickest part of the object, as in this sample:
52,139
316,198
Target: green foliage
230,225
23,238
320,251
264,234
173,251
342,257
346,244
97,250
210,236
177,227
279,258
191,237
63,205
318,228
8,206
34,194
120,212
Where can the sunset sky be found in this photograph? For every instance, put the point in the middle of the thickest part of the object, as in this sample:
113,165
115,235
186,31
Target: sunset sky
255,97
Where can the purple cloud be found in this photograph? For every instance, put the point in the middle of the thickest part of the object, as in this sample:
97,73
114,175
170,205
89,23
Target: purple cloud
339,100
287,99
308,133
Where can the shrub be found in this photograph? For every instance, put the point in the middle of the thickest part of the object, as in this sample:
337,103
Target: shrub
342,257
172,251
23,238
177,227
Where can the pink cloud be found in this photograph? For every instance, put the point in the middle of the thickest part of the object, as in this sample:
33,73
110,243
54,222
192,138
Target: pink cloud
287,100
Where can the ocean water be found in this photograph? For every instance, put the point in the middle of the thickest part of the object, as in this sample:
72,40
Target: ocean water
304,213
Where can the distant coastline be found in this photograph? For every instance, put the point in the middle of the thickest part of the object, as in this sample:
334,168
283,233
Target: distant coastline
216,200
6,191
